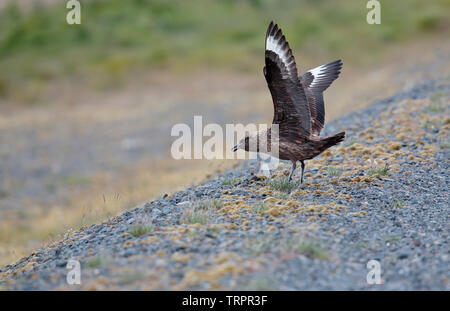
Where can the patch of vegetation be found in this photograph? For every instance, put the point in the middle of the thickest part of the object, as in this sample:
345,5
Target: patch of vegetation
444,145
436,97
193,233
398,204
213,231
3,193
260,284
138,230
131,277
312,249
281,195
260,245
429,125
94,262
392,238
201,211
208,204
282,184
361,245
381,171
196,217
259,208
97,261
333,171
427,22
231,181
435,108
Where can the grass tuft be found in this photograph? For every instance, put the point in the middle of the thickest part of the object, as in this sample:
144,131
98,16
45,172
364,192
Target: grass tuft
435,108
200,211
282,184
260,245
259,208
131,277
281,195
138,230
430,125
333,171
208,204
392,238
196,217
382,171
94,262
312,249
97,261
444,145
398,204
231,181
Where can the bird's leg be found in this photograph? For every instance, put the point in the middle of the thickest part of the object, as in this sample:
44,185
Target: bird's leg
303,170
294,166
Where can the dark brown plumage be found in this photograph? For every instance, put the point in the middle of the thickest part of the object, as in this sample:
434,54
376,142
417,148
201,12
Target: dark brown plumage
298,102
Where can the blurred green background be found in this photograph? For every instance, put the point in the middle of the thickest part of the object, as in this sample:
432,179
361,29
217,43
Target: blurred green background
117,38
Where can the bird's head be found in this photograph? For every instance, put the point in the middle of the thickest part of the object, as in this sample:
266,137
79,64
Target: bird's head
249,142
243,144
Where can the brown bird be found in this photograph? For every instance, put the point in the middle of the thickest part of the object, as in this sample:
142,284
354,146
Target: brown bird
299,111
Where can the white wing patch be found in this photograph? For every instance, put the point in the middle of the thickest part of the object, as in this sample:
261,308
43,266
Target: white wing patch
276,46
316,72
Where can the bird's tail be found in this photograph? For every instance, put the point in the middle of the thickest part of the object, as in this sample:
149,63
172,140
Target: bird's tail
330,141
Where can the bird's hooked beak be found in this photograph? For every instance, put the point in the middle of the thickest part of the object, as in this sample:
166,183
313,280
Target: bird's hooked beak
235,148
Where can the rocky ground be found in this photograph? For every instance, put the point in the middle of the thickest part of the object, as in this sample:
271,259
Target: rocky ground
381,195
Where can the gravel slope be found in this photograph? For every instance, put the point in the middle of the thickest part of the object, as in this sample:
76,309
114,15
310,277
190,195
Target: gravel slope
240,231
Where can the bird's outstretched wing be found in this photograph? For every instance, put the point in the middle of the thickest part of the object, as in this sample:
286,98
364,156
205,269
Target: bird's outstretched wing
315,82
291,110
